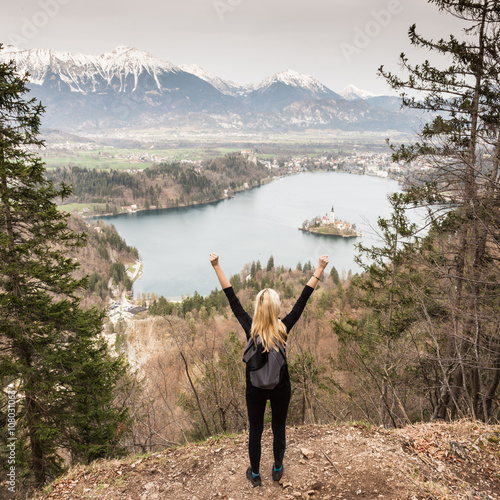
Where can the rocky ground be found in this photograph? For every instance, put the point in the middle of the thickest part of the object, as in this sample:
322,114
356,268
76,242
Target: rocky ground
426,461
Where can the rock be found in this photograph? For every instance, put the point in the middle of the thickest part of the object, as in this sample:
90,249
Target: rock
459,449
316,486
307,453
494,437
480,443
151,491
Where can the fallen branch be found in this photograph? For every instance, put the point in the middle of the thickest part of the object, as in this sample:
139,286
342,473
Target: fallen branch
334,466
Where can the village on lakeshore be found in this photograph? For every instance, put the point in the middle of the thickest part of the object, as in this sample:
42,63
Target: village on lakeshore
330,226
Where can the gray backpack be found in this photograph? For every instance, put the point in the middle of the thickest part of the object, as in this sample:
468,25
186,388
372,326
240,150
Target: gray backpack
264,367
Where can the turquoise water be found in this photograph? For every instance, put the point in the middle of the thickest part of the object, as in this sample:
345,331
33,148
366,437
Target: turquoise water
174,244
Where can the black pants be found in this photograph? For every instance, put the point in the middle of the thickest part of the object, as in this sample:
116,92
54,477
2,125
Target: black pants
256,405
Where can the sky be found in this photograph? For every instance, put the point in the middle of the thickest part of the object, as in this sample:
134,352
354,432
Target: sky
338,42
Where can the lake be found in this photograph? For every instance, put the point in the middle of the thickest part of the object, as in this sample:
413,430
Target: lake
174,244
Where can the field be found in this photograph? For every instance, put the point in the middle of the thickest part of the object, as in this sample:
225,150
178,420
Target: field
104,158
70,207
129,150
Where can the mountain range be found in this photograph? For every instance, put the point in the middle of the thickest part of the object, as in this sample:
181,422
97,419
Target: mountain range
128,87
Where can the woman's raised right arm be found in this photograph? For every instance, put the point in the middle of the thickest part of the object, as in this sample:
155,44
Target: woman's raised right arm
242,316
214,260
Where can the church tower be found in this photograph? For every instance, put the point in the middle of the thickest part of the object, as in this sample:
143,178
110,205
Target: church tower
332,216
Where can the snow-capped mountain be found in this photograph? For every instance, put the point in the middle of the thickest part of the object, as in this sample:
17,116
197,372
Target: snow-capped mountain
282,89
119,88
120,70
271,94
41,63
224,86
351,92
294,79
128,87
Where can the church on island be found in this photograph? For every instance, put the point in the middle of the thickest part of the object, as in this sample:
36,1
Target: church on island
329,225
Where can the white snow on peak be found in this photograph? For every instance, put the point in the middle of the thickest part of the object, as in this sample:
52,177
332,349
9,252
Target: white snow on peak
200,72
90,73
123,61
292,78
75,68
224,86
123,48
40,61
130,56
352,92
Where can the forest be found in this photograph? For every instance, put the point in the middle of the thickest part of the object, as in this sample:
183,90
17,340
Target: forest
160,186
102,259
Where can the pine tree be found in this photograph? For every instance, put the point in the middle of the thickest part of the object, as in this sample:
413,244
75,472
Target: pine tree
334,274
370,344
52,356
462,143
253,269
270,264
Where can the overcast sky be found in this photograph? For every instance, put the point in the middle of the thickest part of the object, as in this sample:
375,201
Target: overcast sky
336,41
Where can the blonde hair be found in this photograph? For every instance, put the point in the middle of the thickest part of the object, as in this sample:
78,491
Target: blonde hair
266,322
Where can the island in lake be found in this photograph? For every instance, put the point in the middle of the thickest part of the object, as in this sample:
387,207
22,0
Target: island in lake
329,226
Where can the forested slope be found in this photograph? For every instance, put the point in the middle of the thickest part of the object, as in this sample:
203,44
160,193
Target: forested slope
160,186
102,259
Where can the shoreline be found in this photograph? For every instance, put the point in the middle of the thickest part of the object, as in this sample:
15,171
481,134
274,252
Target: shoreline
335,235
325,178
267,180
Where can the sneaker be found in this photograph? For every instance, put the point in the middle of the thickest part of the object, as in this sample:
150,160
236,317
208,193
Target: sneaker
255,480
277,473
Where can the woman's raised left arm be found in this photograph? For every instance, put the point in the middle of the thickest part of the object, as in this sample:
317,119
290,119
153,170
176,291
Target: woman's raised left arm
313,280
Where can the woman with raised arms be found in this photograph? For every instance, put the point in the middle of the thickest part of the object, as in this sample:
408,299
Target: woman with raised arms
272,332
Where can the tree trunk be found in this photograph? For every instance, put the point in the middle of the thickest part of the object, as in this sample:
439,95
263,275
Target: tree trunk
32,417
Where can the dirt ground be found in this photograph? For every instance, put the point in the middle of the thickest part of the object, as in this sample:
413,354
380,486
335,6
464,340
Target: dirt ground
427,461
